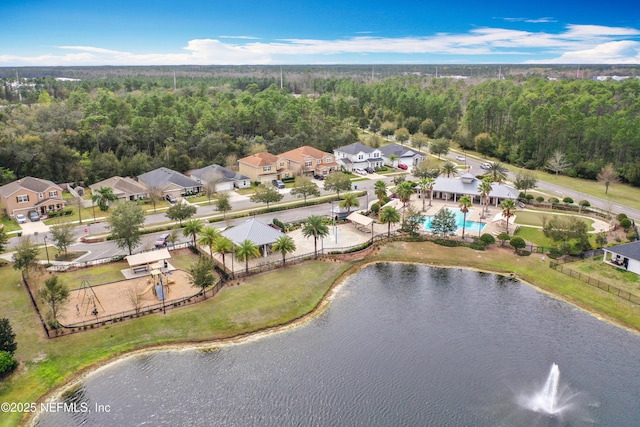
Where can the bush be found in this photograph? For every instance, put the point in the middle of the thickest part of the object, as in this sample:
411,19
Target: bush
632,236
567,200
539,199
375,208
278,223
7,363
522,195
517,243
584,203
621,216
487,239
626,224
529,197
553,200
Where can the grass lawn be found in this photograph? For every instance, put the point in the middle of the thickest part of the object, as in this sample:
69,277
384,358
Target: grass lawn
253,304
607,273
9,224
534,236
535,218
246,191
104,273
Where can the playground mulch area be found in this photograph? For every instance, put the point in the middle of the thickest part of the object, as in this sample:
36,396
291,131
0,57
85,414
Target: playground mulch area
114,298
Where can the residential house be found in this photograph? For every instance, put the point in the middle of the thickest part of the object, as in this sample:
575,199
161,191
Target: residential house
170,182
123,188
358,155
31,194
260,167
625,256
224,179
467,185
306,160
396,154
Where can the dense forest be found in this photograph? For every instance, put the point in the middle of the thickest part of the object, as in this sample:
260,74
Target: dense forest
128,120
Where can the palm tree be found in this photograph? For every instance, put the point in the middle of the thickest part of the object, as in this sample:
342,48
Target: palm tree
245,251
485,190
498,171
449,168
348,201
508,209
222,246
316,227
285,245
192,228
464,205
208,238
102,197
404,191
426,184
380,190
389,215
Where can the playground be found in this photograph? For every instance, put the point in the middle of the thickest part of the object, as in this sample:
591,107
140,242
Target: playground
89,303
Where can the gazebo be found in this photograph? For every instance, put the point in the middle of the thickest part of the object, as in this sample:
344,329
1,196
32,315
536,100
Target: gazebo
260,234
142,262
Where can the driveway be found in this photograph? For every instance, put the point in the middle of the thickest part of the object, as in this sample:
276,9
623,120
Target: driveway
31,228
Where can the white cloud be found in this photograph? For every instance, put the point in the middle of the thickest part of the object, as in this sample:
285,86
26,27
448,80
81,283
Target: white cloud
544,20
578,43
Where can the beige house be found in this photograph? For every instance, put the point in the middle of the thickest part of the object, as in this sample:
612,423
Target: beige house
31,194
306,160
260,167
123,188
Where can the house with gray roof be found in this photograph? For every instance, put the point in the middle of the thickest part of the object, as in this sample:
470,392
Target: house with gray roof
259,233
358,155
454,188
31,194
396,154
625,256
170,182
224,179
123,188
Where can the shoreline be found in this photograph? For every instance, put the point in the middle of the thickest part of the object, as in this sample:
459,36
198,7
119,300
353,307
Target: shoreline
212,344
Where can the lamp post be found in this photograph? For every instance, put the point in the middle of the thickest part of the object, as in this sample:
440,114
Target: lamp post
46,249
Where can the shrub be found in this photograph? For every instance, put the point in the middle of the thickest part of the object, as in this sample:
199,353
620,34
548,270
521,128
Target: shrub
621,216
375,208
553,200
567,200
632,236
518,243
278,223
503,237
7,363
522,195
487,239
539,199
584,203
529,197
626,224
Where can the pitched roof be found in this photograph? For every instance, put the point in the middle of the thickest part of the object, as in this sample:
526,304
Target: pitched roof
470,186
121,185
355,148
301,153
216,172
259,159
163,177
399,150
252,229
36,185
628,250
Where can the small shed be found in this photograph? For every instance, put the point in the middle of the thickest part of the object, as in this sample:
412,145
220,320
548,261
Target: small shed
625,256
142,262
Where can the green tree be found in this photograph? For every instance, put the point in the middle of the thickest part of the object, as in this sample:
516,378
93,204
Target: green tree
7,337
102,197
348,201
464,204
389,215
413,221
566,230
525,180
208,238
444,222
440,147
315,227
558,163
126,220
508,210
380,190
192,228
424,170
62,235
484,144
4,239
608,176
155,195
266,194
25,256
517,243
424,185
245,251
419,140
285,245
449,168
180,211
304,187
337,181
223,203
484,189
498,171
7,363
54,294
223,246
202,275
402,135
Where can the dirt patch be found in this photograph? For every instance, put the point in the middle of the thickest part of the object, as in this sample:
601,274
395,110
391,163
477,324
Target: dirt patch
115,298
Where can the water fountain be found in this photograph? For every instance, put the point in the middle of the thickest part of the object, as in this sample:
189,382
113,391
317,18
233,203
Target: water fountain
549,400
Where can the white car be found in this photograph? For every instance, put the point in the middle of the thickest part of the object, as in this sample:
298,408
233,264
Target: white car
21,219
485,166
360,171
460,158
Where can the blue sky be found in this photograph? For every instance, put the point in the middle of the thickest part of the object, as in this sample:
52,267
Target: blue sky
163,32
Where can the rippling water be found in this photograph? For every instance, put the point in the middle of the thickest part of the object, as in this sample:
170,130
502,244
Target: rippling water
400,345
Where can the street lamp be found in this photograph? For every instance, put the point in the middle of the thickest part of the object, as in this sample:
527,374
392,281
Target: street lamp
46,249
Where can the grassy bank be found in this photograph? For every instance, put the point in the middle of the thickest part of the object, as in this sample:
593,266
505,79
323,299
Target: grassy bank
260,302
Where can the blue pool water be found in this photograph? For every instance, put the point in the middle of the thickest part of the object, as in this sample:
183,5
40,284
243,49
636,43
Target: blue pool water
470,226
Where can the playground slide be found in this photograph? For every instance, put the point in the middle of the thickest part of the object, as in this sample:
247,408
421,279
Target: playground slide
146,290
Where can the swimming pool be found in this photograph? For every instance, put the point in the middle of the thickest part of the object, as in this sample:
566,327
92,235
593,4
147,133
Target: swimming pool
470,226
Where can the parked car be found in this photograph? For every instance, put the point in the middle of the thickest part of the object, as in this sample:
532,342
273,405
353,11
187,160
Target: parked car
360,171
162,240
171,198
460,158
319,177
403,167
21,219
369,169
485,166
277,183
33,216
